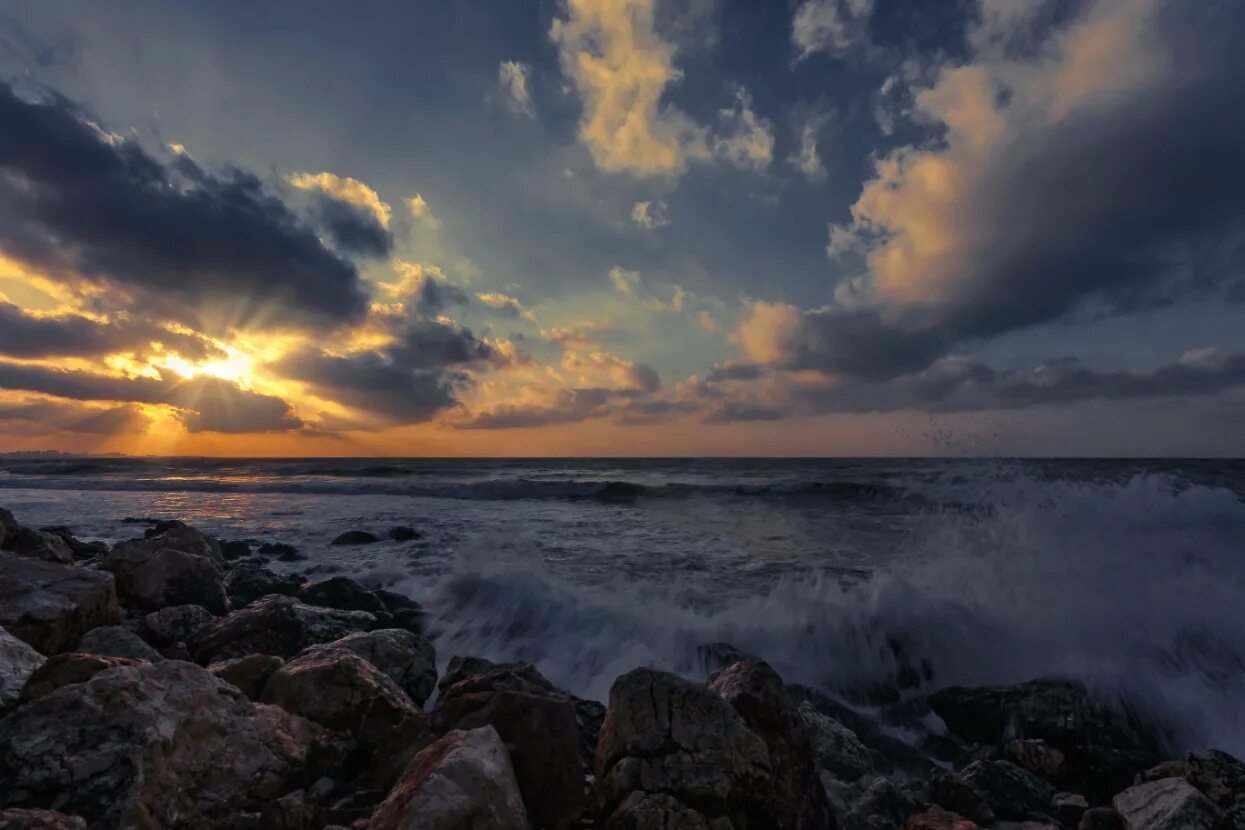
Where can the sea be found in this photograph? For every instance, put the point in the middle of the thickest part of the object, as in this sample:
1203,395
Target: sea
875,581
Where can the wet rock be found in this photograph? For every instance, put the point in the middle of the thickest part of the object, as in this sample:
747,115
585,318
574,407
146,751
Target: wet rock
248,581
1010,791
538,725
281,551
1168,804
1068,808
407,659
117,641
277,625
50,606
177,623
836,747
17,662
463,780
665,735
39,820
1219,777
756,692
236,549
1104,745
81,550
890,754
717,656
340,690
176,651
403,533
882,806
950,792
342,593
1101,818
36,544
67,669
935,820
406,612
151,745
355,537
181,536
249,674
177,567
1037,756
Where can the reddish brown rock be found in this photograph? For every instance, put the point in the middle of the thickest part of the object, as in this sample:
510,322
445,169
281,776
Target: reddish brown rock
69,668
756,692
17,662
277,625
39,820
249,674
939,821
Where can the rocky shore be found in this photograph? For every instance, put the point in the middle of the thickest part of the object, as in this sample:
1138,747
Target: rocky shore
175,680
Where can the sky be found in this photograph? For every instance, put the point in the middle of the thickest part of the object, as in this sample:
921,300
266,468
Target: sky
623,227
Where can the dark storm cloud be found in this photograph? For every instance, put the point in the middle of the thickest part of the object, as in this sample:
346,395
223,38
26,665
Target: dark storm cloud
728,411
433,296
570,406
353,230
72,197
374,382
436,344
75,418
735,371
207,404
25,335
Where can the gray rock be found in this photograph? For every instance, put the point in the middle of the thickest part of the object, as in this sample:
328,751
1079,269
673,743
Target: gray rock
343,594
39,820
1101,818
277,625
1221,778
838,749
66,669
882,806
1168,804
249,674
463,780
17,662
177,623
50,606
1068,808
408,659
36,544
178,567
355,537
665,735
1010,791
151,745
117,641
248,581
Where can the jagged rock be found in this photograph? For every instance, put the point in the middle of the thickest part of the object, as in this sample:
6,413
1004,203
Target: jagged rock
538,726
39,820
17,662
80,549
355,537
177,623
1168,804
36,544
665,735
50,606
756,692
1037,756
281,551
181,536
1068,808
117,641
177,567
934,820
950,792
1010,791
151,745
464,780
408,659
249,674
888,752
277,625
1219,777
234,549
176,651
1104,745
340,690
69,668
344,594
836,747
403,533
248,581
406,612
1101,818
882,806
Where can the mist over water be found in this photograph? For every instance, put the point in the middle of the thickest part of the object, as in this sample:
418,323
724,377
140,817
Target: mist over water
867,579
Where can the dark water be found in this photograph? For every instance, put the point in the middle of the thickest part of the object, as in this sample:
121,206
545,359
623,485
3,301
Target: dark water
842,573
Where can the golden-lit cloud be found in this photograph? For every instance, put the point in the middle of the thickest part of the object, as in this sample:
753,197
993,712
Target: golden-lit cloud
421,211
513,78
746,140
506,304
649,215
351,191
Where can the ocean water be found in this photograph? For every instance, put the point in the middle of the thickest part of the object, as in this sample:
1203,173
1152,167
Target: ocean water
855,576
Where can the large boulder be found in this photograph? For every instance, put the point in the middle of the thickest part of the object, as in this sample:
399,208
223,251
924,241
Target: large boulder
883,805
177,567
1104,745
406,612
1218,776
277,625
39,820
340,690
836,747
250,674
1010,791
17,662
177,623
69,668
151,745
117,641
538,725
756,692
36,544
344,594
179,535
667,736
50,606
408,659
248,581
1168,804
463,780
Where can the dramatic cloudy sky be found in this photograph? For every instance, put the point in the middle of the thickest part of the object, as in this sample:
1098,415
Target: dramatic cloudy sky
623,227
